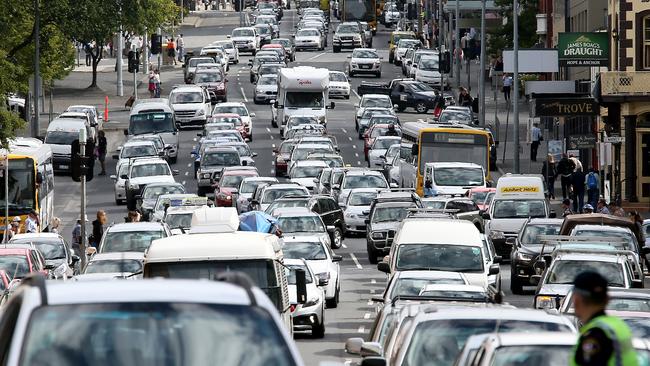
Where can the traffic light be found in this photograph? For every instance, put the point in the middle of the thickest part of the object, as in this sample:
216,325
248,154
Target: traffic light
134,62
82,164
156,44
445,62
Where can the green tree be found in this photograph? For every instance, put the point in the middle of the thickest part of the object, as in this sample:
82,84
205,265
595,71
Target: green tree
501,37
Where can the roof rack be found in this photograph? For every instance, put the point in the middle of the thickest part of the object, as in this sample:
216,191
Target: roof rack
616,252
561,239
37,280
431,213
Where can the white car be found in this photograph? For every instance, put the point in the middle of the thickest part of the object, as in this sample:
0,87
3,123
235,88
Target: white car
119,186
308,38
191,105
379,148
231,50
428,71
364,61
359,179
339,85
402,46
266,89
391,14
144,171
164,200
373,101
310,315
240,109
135,149
272,21
246,39
357,208
132,236
304,172
117,264
409,284
322,260
247,188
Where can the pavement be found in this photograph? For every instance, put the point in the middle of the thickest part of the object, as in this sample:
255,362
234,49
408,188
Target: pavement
360,280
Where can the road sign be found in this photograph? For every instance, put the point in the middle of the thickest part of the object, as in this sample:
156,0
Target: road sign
614,139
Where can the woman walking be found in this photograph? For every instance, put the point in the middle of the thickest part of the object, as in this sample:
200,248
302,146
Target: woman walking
549,172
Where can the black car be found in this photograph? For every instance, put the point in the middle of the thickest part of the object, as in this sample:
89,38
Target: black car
325,206
526,247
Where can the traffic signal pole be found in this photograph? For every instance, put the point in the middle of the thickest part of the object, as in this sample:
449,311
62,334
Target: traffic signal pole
82,214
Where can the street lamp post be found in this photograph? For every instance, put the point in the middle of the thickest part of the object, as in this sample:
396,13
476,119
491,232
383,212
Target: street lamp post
5,161
457,44
515,80
37,68
481,80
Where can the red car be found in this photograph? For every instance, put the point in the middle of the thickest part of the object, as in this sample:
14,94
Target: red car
226,188
20,262
282,156
478,195
378,129
233,118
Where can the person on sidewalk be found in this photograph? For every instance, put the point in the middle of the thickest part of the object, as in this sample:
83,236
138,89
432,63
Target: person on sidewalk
536,137
31,223
578,186
152,83
157,84
507,85
464,99
592,187
101,151
602,207
566,207
565,168
576,161
88,49
549,173
98,229
180,46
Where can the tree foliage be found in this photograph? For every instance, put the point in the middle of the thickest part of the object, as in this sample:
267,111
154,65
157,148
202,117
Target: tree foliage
501,37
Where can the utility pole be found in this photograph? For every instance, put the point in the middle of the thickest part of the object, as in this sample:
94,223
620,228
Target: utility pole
37,68
161,48
481,80
515,80
120,84
457,44
418,12
82,215
5,161
145,53
441,47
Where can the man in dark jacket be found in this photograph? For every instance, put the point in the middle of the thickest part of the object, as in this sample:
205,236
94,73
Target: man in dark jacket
564,169
578,184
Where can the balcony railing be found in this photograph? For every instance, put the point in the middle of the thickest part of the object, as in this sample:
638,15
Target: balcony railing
625,83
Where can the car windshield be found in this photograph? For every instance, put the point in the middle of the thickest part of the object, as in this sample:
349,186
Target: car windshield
231,181
347,28
306,171
629,304
338,76
301,153
151,123
304,250
179,220
532,233
383,144
415,286
114,266
283,42
438,342
390,214
271,195
304,99
154,333
308,33
364,54
331,161
249,186
369,113
364,181
282,203
301,224
297,121
263,30
512,209
234,109
456,295
420,87
186,97
291,274
361,198
200,60
61,137
16,266
226,45
385,120
478,196
287,147
243,33
640,327
51,248
267,80
129,241
435,204
440,257
565,271
149,170
381,131
457,176
152,192
134,151
456,116
376,102
532,355
629,243
428,64
406,43
208,77
220,159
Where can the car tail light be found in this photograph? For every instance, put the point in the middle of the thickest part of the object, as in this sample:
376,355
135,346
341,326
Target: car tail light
221,86
293,308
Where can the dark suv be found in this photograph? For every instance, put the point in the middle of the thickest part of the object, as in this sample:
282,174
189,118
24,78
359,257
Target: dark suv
526,247
386,213
325,206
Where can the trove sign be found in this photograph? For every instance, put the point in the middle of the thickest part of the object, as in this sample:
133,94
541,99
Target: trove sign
583,49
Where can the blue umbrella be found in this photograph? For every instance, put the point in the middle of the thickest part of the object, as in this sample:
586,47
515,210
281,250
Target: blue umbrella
258,221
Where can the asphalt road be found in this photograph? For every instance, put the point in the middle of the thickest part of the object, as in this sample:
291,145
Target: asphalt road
359,279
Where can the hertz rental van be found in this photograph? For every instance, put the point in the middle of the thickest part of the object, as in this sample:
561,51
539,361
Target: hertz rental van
518,197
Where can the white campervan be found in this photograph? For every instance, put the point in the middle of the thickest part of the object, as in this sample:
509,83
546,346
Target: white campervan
155,116
214,245
302,91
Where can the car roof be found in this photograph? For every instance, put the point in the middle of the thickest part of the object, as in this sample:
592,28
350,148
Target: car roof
495,312
543,221
454,165
140,141
117,256
136,226
597,256
187,88
37,236
455,232
199,246
532,338
293,212
163,184
148,160
12,249
378,96
602,228
364,172
428,274
317,163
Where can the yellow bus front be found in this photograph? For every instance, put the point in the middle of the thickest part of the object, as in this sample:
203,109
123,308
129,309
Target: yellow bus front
23,189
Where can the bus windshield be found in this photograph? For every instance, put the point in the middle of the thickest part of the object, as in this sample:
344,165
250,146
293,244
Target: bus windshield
443,147
21,187
151,123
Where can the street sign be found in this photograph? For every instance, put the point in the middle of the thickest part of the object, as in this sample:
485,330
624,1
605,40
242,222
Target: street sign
614,139
582,142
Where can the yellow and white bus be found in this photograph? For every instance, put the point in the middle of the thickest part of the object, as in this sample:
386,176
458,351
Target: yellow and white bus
31,181
438,143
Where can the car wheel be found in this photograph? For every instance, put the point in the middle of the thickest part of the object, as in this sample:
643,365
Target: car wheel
254,52
372,254
421,108
333,302
318,331
336,49
173,159
515,285
255,101
119,202
337,238
252,79
356,126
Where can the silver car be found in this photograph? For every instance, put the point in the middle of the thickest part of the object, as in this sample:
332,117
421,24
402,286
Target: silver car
357,208
266,89
378,149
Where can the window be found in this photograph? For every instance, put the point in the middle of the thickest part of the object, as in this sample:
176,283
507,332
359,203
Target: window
646,42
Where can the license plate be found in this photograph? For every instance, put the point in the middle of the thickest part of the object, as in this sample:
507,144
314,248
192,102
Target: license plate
64,167
365,66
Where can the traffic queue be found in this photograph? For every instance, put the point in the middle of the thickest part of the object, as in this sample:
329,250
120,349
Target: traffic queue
436,222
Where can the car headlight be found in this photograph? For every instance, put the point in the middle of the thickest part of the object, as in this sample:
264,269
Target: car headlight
200,112
497,235
206,175
545,302
524,257
311,302
323,277
378,235
357,37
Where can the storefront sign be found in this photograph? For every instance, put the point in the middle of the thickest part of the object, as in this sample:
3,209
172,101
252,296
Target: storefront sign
583,49
582,142
614,139
565,107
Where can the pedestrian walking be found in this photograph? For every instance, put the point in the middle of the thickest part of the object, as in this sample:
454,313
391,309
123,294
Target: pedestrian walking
101,151
578,187
88,51
593,182
576,161
604,339
76,236
171,51
15,225
601,207
549,173
31,223
566,207
180,46
464,99
536,138
507,85
98,229
152,83
565,168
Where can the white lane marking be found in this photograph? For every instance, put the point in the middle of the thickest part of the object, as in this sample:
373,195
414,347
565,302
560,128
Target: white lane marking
344,246
273,146
189,165
361,329
272,163
370,302
187,173
344,131
358,163
356,155
366,316
354,147
194,139
350,138
268,130
193,147
319,55
355,94
347,362
372,290
183,182
373,281
243,94
272,138
355,260
272,171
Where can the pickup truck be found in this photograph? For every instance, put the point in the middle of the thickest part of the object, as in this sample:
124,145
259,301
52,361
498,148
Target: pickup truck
405,93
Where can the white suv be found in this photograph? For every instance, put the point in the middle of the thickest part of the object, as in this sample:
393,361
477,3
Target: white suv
246,39
191,105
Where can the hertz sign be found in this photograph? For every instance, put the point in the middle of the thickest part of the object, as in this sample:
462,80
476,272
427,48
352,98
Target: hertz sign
565,107
520,189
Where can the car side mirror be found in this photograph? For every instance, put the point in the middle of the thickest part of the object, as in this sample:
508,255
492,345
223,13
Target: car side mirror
394,185
254,154
175,172
113,177
366,221
115,156
645,250
353,345
331,228
383,267
494,269
535,279
637,283
301,286
552,214
485,215
49,266
337,258
497,259
126,132
74,259
124,176
348,56
138,196
322,282
373,361
371,349
332,105
252,115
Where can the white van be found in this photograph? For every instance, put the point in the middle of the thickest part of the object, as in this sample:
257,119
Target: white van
454,178
59,136
518,197
214,245
156,117
302,91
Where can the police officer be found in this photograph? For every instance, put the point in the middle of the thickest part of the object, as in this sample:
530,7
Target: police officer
604,340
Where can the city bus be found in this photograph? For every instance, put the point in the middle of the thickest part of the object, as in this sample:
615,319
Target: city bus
437,143
359,10
31,181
